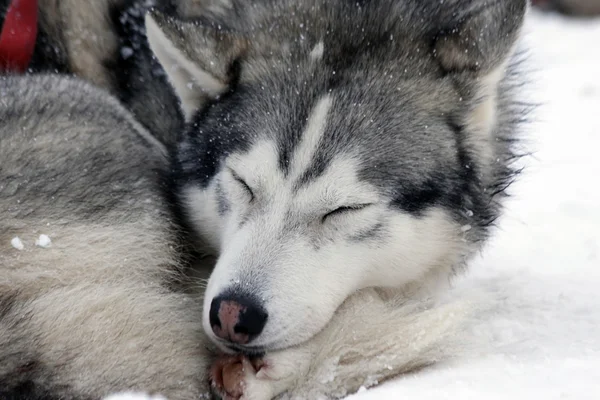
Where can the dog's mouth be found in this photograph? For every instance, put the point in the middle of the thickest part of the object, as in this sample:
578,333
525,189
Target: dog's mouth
248,351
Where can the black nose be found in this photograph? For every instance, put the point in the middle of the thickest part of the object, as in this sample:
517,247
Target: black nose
236,318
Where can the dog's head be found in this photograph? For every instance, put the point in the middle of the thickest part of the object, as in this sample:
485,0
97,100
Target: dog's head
334,146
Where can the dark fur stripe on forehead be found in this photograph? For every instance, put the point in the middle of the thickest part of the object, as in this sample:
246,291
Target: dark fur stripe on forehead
293,128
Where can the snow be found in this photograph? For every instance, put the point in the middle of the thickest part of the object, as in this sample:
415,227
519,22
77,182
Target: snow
43,241
17,243
540,274
126,52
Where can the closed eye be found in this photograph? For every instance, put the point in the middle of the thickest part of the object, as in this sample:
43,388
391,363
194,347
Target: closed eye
242,183
345,210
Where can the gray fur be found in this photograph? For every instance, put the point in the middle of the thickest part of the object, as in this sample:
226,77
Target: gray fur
96,312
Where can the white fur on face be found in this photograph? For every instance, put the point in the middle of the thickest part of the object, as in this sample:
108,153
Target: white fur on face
202,210
277,247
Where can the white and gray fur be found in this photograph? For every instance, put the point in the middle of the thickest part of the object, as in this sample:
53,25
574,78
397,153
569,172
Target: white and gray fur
99,311
338,145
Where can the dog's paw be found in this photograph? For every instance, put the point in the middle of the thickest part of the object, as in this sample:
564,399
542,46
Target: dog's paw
227,377
241,378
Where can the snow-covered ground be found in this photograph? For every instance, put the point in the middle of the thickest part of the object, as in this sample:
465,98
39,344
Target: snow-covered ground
542,269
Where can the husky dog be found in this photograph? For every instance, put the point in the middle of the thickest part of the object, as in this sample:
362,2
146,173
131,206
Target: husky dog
92,298
332,147
89,263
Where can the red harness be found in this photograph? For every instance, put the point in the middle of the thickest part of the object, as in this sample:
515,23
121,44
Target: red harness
19,33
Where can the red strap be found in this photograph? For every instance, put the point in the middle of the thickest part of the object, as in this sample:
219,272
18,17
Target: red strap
19,32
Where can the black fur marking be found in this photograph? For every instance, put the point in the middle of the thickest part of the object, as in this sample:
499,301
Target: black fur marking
47,57
417,199
128,26
209,145
28,390
139,80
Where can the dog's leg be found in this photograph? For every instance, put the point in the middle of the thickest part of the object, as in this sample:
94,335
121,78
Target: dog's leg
372,338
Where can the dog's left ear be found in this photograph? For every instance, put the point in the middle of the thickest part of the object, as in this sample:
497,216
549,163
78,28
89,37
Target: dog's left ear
477,35
197,58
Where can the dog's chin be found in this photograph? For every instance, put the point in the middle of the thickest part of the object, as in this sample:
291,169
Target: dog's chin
250,352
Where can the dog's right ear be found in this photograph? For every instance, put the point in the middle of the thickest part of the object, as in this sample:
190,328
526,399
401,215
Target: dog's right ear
198,59
477,35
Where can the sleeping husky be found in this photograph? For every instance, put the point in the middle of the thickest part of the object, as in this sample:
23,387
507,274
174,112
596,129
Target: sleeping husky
331,147
341,160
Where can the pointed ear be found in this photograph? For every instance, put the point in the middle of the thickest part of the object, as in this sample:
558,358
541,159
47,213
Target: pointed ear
198,59
478,35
